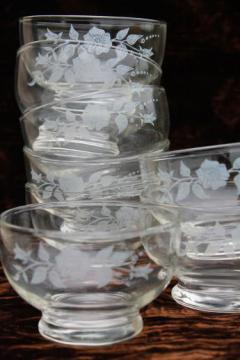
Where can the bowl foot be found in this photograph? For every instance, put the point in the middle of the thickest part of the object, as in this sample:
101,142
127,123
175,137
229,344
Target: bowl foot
219,300
89,326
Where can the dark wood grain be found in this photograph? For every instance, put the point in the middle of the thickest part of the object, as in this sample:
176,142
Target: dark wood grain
171,332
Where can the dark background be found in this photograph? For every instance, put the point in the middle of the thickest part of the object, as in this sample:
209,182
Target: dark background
201,72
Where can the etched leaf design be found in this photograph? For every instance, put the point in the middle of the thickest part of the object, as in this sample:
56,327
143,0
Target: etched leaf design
132,39
52,36
57,73
184,169
183,191
66,53
122,34
121,122
103,277
199,192
39,275
42,253
55,279
141,272
105,211
36,177
237,182
73,34
20,254
123,69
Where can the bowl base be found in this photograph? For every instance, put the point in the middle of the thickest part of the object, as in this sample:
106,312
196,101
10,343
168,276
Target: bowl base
89,324
207,299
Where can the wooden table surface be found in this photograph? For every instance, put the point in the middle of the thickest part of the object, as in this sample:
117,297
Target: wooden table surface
171,332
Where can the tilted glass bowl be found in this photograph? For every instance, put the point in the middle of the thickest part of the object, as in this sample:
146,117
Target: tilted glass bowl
203,186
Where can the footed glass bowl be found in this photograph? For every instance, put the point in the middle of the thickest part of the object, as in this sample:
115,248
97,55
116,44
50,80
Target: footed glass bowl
86,270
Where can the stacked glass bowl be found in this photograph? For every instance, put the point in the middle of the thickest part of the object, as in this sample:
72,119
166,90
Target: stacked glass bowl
89,89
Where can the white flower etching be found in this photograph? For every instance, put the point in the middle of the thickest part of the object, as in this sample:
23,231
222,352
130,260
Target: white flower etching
127,216
100,41
78,59
96,117
73,267
72,186
176,185
212,174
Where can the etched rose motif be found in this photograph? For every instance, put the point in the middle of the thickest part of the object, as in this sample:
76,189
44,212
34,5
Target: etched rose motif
212,175
70,184
72,265
100,41
96,117
127,216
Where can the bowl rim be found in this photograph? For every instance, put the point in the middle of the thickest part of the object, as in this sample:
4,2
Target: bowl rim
101,160
112,236
193,152
29,18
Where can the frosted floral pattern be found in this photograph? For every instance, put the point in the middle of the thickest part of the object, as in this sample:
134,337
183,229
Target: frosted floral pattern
96,58
210,176
110,119
55,187
72,266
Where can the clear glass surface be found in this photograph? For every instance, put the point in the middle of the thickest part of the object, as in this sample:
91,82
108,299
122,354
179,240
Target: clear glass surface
89,279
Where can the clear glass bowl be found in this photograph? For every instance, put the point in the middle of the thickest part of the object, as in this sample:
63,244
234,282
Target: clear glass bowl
55,178
91,279
145,37
202,185
120,121
47,70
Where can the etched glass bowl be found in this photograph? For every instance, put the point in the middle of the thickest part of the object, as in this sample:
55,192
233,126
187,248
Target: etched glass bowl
123,120
145,37
91,279
203,186
55,178
48,70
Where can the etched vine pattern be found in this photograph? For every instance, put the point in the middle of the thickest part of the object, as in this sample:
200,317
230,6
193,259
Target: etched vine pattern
76,60
71,266
211,175
51,186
